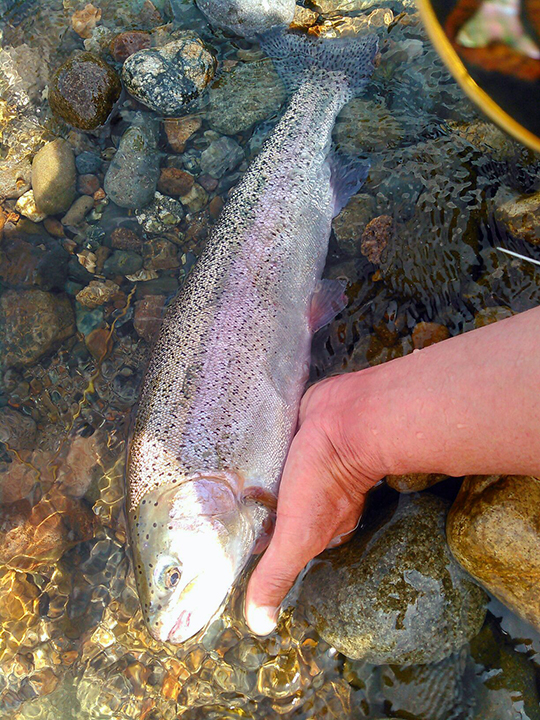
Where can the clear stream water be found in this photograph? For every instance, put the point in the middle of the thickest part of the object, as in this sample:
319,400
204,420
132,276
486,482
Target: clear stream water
72,642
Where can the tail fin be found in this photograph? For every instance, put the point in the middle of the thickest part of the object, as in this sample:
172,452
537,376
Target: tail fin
298,56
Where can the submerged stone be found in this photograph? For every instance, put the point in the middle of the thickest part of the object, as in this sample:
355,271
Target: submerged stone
494,532
32,322
394,594
221,156
54,177
168,78
83,91
243,96
15,177
247,17
133,174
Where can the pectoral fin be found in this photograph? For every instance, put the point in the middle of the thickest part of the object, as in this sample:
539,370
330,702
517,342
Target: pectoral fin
328,300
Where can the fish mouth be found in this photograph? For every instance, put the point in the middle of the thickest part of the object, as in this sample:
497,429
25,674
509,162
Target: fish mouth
177,633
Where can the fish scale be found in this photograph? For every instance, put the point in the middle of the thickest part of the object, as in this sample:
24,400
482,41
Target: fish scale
220,398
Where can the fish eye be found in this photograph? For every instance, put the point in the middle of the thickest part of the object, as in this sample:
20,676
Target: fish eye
173,576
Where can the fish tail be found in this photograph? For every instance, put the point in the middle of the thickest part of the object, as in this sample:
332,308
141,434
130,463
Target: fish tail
297,57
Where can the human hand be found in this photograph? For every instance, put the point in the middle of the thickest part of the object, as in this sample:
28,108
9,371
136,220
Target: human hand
324,483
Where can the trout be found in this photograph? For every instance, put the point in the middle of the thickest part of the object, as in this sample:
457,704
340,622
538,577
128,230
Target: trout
219,401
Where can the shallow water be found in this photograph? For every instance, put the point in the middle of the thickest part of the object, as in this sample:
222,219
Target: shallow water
72,642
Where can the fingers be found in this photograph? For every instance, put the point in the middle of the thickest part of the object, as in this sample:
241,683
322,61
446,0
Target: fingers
306,522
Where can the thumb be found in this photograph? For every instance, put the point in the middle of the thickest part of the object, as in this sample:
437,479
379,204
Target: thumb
305,524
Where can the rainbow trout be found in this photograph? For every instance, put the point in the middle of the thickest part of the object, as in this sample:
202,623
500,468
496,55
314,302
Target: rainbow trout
219,402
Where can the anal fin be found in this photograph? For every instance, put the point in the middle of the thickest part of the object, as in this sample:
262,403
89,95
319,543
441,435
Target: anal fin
328,300
348,174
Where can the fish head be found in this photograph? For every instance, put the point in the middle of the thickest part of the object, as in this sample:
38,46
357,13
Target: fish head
190,541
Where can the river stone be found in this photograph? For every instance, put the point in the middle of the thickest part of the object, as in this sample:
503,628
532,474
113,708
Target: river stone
520,214
221,156
494,533
168,78
394,594
83,91
506,688
414,482
162,214
15,177
32,322
54,177
122,262
248,17
349,225
243,96
427,692
133,174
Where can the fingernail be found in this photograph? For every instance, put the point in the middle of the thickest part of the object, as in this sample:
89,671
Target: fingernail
262,620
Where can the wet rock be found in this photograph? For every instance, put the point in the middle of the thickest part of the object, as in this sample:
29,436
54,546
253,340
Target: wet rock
83,91
377,234
84,21
32,322
520,214
427,692
303,18
394,594
179,130
148,316
493,532
88,319
26,264
15,177
173,181
18,477
128,43
87,184
17,430
164,285
366,126
87,163
78,211
489,315
160,254
122,262
125,239
98,293
221,157
99,343
54,227
414,482
26,205
30,537
168,78
243,96
196,199
349,225
54,177
428,333
161,215
507,687
247,17
215,207
132,177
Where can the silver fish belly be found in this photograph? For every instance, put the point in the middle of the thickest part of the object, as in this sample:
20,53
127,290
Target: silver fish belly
220,398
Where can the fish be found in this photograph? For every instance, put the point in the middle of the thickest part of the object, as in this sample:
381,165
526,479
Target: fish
248,18
219,401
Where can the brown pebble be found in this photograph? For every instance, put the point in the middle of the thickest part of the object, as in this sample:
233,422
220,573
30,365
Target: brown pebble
127,43
87,184
99,195
85,20
148,314
489,315
99,343
43,682
215,207
377,234
102,253
173,181
179,130
54,227
428,333
125,239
